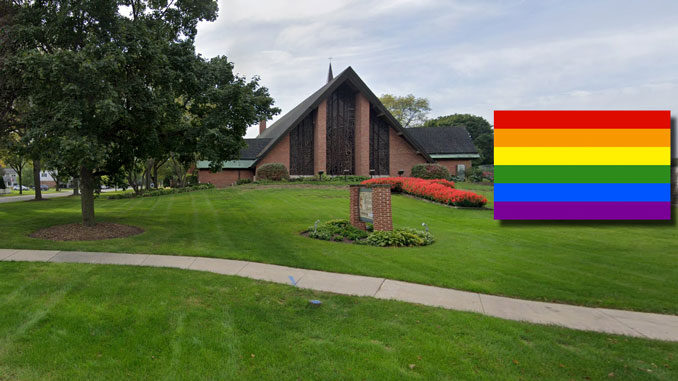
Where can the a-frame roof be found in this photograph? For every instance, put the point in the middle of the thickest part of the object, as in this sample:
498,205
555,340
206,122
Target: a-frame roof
288,121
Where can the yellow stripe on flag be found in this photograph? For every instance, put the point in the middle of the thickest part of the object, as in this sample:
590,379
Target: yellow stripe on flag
582,155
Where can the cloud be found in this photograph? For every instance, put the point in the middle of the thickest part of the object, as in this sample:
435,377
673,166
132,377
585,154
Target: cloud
464,56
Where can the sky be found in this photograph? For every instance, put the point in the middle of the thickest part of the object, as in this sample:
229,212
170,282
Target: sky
464,56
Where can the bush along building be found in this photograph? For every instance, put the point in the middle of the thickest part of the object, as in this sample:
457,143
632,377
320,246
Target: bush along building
342,129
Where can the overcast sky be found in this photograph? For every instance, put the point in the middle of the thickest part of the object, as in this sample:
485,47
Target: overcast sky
464,56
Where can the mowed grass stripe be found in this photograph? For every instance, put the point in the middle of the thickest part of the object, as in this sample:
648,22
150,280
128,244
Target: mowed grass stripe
582,138
582,173
151,323
620,265
582,155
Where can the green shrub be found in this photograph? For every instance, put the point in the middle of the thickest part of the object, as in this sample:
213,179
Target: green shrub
399,237
243,181
2,182
476,175
336,230
192,180
273,171
161,192
430,171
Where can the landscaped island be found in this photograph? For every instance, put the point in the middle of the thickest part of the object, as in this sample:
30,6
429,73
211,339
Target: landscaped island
439,190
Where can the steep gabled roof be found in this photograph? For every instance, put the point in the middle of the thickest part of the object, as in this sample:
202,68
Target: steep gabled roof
254,146
453,140
297,114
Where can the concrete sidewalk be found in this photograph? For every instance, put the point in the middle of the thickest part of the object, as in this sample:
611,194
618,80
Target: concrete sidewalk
638,324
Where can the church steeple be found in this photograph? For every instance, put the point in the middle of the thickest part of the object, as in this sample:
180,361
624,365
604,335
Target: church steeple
329,73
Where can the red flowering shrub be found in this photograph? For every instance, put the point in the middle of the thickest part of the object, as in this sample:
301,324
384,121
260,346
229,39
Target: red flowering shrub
437,190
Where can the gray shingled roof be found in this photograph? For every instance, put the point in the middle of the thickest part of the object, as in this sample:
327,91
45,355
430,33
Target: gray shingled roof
254,146
444,140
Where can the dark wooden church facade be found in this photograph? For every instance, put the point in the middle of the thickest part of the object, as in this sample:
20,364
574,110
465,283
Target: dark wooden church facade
343,129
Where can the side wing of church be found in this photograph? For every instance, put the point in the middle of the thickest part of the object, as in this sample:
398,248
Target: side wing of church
340,129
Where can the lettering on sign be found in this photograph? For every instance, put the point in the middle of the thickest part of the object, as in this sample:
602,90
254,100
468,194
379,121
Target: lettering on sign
365,205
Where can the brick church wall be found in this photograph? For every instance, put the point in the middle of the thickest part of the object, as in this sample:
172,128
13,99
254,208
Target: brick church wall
362,135
320,139
225,178
451,165
402,155
280,153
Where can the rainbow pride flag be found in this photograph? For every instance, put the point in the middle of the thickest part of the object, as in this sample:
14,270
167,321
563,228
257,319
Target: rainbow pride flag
582,165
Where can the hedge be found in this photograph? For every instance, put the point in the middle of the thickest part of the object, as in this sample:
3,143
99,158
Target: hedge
161,192
273,171
430,171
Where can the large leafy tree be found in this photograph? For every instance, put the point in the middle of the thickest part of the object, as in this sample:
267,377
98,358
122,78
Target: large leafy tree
479,128
409,110
111,83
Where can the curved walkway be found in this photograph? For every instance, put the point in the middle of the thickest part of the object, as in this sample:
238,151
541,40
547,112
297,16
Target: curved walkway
638,324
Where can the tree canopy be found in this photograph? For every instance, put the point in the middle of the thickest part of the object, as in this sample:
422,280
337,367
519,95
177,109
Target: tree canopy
106,83
479,128
408,110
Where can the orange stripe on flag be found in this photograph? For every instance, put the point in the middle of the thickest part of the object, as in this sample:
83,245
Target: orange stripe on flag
518,137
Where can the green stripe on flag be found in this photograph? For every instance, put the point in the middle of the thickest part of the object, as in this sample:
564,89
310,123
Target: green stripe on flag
582,173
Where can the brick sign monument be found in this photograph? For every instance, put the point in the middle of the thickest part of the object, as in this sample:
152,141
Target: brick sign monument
371,203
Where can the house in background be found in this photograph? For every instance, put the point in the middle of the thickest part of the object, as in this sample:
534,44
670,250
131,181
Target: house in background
340,129
47,179
10,177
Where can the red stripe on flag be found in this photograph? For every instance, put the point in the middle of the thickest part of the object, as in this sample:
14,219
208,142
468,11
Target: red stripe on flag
582,119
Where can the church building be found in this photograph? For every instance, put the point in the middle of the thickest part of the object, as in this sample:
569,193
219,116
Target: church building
341,129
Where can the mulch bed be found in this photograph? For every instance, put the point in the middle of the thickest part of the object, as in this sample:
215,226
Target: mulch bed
77,232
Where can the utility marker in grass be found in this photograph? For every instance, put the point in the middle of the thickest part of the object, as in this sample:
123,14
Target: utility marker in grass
313,302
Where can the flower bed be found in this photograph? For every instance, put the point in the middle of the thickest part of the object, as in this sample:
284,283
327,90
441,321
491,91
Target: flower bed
343,231
438,190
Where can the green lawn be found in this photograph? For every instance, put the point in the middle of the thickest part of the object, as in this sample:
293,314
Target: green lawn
623,265
75,321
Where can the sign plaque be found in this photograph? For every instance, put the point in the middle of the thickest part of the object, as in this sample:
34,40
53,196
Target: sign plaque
365,205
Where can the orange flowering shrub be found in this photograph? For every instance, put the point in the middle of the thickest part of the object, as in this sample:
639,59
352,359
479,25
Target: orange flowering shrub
438,190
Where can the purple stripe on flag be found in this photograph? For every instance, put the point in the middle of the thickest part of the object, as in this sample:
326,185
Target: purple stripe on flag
582,210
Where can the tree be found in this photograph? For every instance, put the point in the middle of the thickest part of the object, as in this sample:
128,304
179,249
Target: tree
479,128
108,90
17,163
408,110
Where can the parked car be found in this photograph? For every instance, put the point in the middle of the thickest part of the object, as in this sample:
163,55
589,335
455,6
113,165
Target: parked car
23,187
44,187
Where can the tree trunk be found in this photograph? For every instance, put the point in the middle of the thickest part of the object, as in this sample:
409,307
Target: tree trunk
148,167
76,186
21,183
132,180
154,176
87,197
36,180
